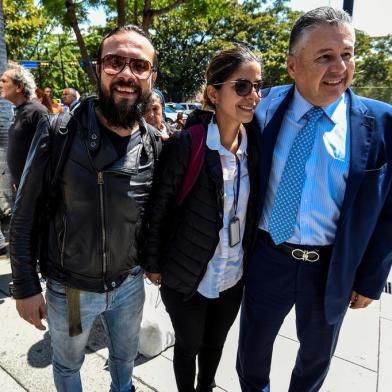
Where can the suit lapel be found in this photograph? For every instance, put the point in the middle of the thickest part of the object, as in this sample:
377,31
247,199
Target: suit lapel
361,134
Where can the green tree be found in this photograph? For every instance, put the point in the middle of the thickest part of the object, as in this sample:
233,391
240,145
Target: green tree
373,75
141,12
5,120
69,14
186,40
25,26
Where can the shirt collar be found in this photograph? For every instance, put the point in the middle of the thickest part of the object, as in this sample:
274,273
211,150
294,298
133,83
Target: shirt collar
213,140
300,106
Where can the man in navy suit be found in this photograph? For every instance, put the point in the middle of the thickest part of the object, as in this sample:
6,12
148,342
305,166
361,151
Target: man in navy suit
325,214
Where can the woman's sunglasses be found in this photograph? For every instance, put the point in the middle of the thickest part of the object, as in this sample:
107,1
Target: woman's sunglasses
243,87
113,64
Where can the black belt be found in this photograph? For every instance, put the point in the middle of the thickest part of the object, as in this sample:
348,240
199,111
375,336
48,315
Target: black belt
299,252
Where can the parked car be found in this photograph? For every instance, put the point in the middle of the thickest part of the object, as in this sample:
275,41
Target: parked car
176,106
170,115
190,106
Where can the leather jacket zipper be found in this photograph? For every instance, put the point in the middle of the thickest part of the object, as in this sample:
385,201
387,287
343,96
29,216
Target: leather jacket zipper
104,255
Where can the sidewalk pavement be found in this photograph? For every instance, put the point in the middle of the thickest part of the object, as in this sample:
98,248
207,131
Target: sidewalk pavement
362,363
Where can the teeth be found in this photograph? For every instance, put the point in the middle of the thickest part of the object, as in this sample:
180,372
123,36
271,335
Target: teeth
333,82
125,89
246,107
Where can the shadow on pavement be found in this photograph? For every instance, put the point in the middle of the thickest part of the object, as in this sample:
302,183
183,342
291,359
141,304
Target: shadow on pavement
39,354
4,280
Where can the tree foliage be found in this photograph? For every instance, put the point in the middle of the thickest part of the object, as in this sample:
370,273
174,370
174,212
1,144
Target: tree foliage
186,34
373,76
26,27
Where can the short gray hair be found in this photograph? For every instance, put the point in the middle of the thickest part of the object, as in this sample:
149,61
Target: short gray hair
317,17
20,75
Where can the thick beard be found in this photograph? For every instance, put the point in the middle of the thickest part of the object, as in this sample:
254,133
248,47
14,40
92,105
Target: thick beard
123,114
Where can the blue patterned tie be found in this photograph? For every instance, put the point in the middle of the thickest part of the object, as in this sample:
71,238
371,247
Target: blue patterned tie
288,196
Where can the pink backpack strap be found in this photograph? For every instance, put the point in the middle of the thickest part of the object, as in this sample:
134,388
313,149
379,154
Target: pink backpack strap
198,150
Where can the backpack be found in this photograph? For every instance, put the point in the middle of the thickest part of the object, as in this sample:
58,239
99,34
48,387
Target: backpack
61,139
198,151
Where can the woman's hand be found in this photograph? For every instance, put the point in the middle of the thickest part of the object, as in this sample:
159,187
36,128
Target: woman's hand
154,278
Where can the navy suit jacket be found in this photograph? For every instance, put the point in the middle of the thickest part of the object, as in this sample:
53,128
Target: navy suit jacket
362,251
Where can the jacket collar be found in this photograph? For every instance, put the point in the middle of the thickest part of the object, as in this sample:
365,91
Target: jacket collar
100,147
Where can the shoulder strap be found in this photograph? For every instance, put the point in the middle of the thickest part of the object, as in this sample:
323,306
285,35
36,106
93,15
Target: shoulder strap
60,141
198,150
156,141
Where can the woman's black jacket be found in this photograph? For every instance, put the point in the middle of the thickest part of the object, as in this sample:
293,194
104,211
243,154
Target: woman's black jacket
181,240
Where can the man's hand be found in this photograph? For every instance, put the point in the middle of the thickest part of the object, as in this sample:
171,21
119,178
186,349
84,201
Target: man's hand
33,310
154,278
359,301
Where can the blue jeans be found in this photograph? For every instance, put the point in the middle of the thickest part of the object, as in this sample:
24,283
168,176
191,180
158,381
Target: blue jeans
121,313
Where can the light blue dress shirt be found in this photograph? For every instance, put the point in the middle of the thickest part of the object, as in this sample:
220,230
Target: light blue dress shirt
326,170
225,269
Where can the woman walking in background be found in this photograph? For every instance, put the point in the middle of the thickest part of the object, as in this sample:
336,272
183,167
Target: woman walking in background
195,248
44,99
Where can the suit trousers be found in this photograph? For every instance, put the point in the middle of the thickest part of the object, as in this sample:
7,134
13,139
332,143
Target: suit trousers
201,326
274,283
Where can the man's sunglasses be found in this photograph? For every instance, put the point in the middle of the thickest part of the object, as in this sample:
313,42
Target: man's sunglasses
112,64
243,87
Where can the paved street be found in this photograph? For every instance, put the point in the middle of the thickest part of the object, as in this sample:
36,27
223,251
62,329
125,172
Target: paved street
363,360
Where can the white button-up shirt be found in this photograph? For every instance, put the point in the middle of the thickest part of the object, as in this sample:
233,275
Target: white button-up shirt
224,270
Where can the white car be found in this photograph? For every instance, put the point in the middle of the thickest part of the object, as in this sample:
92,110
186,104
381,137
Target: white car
176,106
190,106
170,115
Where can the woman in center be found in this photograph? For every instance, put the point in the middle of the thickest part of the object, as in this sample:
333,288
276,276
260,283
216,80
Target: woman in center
199,233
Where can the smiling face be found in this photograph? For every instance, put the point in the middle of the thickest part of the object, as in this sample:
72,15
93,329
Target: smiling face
231,109
124,85
123,97
322,63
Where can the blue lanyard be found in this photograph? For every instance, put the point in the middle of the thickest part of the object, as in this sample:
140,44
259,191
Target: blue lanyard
237,194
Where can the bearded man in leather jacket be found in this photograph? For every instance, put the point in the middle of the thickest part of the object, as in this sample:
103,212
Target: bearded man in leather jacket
90,255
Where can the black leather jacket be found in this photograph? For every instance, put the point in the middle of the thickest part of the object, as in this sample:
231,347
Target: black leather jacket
95,221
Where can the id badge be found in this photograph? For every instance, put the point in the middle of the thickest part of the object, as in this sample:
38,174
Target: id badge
234,231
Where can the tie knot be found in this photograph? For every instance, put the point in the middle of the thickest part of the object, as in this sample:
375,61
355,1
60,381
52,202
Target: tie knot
314,114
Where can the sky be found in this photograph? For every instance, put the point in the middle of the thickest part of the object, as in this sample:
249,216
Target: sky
371,16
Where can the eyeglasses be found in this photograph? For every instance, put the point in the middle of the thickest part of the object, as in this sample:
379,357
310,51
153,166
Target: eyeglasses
243,87
113,64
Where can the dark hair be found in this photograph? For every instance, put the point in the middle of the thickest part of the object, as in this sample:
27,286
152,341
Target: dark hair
127,28
158,94
316,17
46,100
223,65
